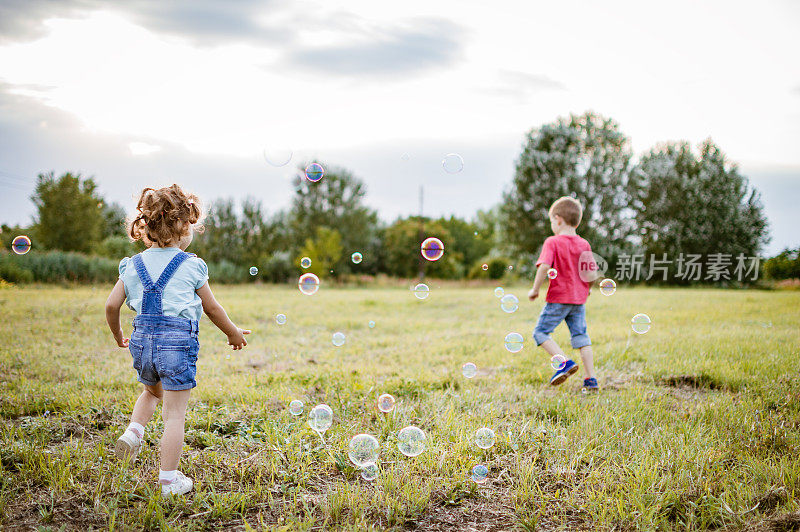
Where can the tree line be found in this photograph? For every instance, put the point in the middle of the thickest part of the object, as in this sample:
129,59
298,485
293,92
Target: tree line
670,200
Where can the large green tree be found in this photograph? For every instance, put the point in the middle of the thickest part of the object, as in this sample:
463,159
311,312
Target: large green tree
336,202
69,212
695,204
585,156
402,240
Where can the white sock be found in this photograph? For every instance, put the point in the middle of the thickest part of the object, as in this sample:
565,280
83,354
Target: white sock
136,428
166,477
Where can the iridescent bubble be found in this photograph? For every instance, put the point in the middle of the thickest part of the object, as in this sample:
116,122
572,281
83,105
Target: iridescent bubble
411,441
552,273
338,339
432,249
560,442
484,266
296,407
369,471
557,362
469,370
608,287
421,291
308,284
514,342
479,474
253,271
509,303
280,319
498,292
363,449
277,156
305,262
484,438
452,163
386,403
21,245
320,418
356,257
641,323
314,172
371,324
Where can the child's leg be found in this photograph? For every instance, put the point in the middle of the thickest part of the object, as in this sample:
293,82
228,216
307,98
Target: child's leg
549,318
174,414
552,348
588,361
146,404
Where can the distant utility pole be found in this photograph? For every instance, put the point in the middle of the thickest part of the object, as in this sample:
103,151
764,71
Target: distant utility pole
421,235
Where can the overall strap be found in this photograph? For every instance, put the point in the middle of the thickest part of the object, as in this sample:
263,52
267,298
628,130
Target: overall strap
141,271
171,268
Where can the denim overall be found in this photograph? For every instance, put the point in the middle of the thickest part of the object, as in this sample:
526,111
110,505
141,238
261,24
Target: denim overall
164,348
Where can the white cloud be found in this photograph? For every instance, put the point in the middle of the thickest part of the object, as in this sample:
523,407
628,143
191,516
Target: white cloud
143,148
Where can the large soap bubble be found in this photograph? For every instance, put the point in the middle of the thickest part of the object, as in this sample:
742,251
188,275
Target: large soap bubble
432,249
308,284
411,441
484,437
363,449
514,342
320,418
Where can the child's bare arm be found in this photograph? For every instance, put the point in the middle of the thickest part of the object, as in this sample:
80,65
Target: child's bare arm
541,273
113,304
220,318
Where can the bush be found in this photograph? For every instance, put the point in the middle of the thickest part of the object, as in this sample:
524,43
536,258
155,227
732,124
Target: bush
786,265
116,247
497,268
57,266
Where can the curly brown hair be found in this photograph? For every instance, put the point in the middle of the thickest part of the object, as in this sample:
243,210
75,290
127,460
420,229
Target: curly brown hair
165,215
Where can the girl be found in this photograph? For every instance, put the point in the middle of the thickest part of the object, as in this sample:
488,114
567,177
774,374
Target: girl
167,288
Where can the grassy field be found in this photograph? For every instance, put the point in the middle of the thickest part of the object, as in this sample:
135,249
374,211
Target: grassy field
696,426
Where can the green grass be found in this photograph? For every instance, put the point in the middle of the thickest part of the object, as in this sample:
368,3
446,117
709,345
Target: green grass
696,426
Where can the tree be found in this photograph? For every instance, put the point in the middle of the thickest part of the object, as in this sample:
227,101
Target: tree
324,250
113,220
584,156
402,241
695,204
336,202
70,212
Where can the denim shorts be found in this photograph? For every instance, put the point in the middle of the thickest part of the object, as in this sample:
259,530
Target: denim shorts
553,314
166,354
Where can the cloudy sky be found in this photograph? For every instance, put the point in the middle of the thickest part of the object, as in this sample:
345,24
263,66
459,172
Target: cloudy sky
143,93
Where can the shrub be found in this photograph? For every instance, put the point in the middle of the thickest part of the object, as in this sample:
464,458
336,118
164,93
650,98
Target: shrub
497,268
57,266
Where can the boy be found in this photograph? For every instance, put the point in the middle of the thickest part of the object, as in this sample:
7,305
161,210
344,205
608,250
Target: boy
565,253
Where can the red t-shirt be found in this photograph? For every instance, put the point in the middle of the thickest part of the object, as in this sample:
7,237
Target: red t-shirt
563,252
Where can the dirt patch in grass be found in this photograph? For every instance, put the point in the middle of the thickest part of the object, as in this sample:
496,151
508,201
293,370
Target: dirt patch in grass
780,523
692,381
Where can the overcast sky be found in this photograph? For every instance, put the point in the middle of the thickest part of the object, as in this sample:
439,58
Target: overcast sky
142,93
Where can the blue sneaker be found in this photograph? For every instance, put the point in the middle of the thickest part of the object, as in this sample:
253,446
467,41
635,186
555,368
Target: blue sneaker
561,375
590,385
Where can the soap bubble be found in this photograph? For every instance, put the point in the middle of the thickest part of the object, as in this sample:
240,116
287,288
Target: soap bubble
363,449
369,471
452,163
338,339
641,323
277,156
557,362
405,157
21,245
280,319
552,273
305,262
253,271
320,418
560,442
432,249
484,266
356,257
484,438
498,292
296,407
371,324
421,291
608,287
509,303
314,172
469,370
308,284
479,474
411,441
514,342
386,403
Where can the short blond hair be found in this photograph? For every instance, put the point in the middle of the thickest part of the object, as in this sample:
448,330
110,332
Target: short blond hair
569,209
